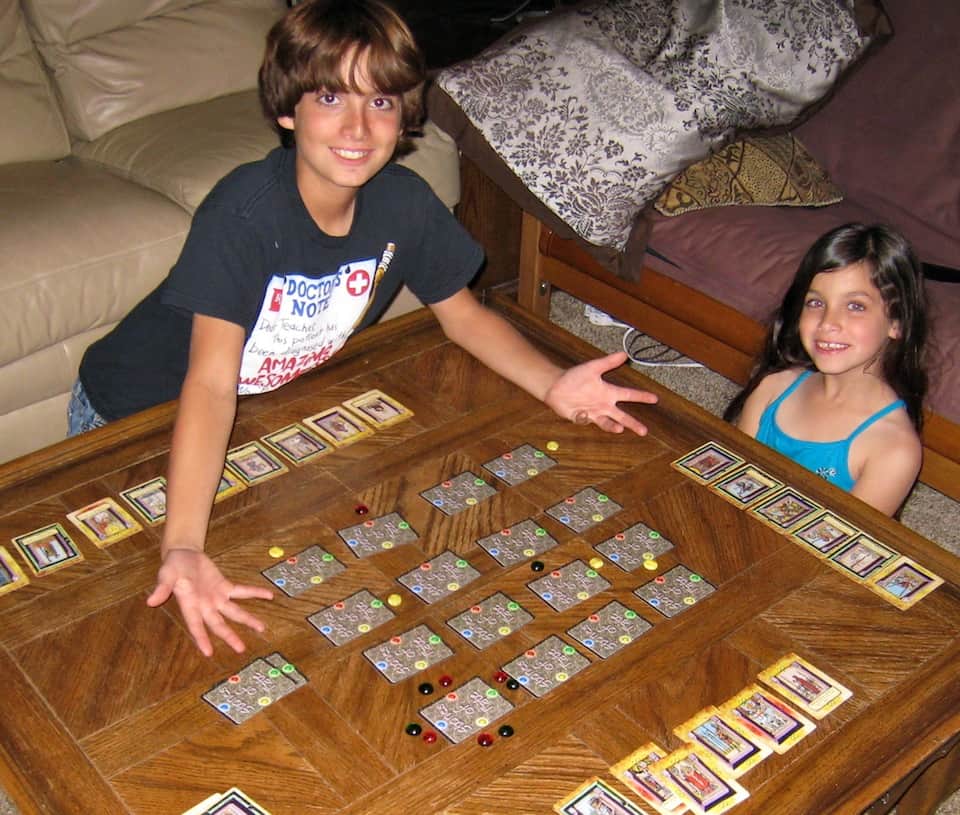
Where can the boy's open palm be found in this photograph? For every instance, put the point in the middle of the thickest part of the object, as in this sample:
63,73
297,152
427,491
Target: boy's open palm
582,395
206,598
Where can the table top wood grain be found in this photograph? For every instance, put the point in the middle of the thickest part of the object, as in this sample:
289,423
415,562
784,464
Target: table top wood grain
102,707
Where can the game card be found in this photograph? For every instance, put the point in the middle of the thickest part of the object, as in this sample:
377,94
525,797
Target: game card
699,782
298,573
338,427
548,664
520,465
467,710
745,486
254,463
230,484
824,533
408,653
439,577
11,575
377,534
149,499
809,688
235,802
767,718
707,462
48,549
904,582
675,591
733,750
573,583
784,509
378,409
353,617
862,557
584,510
634,771
104,522
594,797
490,620
634,546
297,444
517,543
257,685
461,492
609,629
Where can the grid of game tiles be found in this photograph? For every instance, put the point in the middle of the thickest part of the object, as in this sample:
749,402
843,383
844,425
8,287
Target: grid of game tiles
721,743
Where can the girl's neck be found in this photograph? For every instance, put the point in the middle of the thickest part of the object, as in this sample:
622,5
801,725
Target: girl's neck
860,386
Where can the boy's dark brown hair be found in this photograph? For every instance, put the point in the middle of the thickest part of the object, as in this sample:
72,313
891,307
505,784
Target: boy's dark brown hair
305,50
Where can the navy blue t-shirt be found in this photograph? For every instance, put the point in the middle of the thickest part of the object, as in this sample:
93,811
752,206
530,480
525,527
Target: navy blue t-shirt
255,257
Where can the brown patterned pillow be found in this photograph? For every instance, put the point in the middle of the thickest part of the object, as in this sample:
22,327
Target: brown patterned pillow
754,171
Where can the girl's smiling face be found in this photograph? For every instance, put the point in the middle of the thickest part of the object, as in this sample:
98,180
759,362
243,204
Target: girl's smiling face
844,323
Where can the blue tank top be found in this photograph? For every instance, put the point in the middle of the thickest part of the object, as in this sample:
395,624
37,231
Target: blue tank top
827,459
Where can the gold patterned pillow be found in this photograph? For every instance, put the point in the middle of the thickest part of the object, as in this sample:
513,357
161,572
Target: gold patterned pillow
755,171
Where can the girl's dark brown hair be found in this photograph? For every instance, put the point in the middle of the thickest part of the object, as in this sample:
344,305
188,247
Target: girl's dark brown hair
306,47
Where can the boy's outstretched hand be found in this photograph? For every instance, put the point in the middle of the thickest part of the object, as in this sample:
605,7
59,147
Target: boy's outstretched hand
206,598
582,395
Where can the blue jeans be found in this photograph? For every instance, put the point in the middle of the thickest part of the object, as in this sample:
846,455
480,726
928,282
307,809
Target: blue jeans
81,416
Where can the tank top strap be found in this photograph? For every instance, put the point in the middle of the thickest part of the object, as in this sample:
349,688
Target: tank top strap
787,391
899,403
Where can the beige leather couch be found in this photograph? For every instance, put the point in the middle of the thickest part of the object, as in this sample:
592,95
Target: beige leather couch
118,117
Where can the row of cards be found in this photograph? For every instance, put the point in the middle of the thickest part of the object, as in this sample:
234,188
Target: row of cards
106,521
894,577
721,744
231,802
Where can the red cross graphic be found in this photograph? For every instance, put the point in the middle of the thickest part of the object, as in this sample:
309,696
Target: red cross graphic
358,282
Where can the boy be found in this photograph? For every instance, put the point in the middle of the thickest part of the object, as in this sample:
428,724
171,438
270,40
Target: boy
285,259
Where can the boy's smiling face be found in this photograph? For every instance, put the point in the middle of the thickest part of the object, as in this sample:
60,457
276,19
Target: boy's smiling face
343,138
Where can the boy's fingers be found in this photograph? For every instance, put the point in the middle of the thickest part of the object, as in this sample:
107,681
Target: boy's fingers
244,592
160,594
242,616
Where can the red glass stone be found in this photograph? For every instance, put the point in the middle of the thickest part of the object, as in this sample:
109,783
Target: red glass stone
484,739
445,681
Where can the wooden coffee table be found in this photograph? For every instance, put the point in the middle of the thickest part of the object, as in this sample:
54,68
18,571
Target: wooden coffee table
103,710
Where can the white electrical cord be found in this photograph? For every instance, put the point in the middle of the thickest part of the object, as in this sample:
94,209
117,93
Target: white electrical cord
513,13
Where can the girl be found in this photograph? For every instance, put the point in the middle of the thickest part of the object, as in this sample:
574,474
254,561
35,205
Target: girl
839,386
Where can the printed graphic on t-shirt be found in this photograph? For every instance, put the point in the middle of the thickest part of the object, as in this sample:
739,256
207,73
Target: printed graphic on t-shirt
303,321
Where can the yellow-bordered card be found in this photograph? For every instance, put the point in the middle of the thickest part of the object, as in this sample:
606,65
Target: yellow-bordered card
767,718
149,499
824,533
338,426
48,549
699,781
104,522
904,582
707,462
254,463
594,796
733,749
378,409
634,771
862,557
809,688
785,509
12,577
296,443
745,486
230,484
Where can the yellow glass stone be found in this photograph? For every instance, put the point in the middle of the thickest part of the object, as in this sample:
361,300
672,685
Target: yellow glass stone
552,445
394,600
650,565
275,551
596,563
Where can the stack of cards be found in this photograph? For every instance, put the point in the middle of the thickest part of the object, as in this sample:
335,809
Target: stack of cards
721,744
894,577
231,802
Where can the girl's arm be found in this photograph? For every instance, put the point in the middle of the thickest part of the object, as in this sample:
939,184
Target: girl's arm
205,415
890,470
